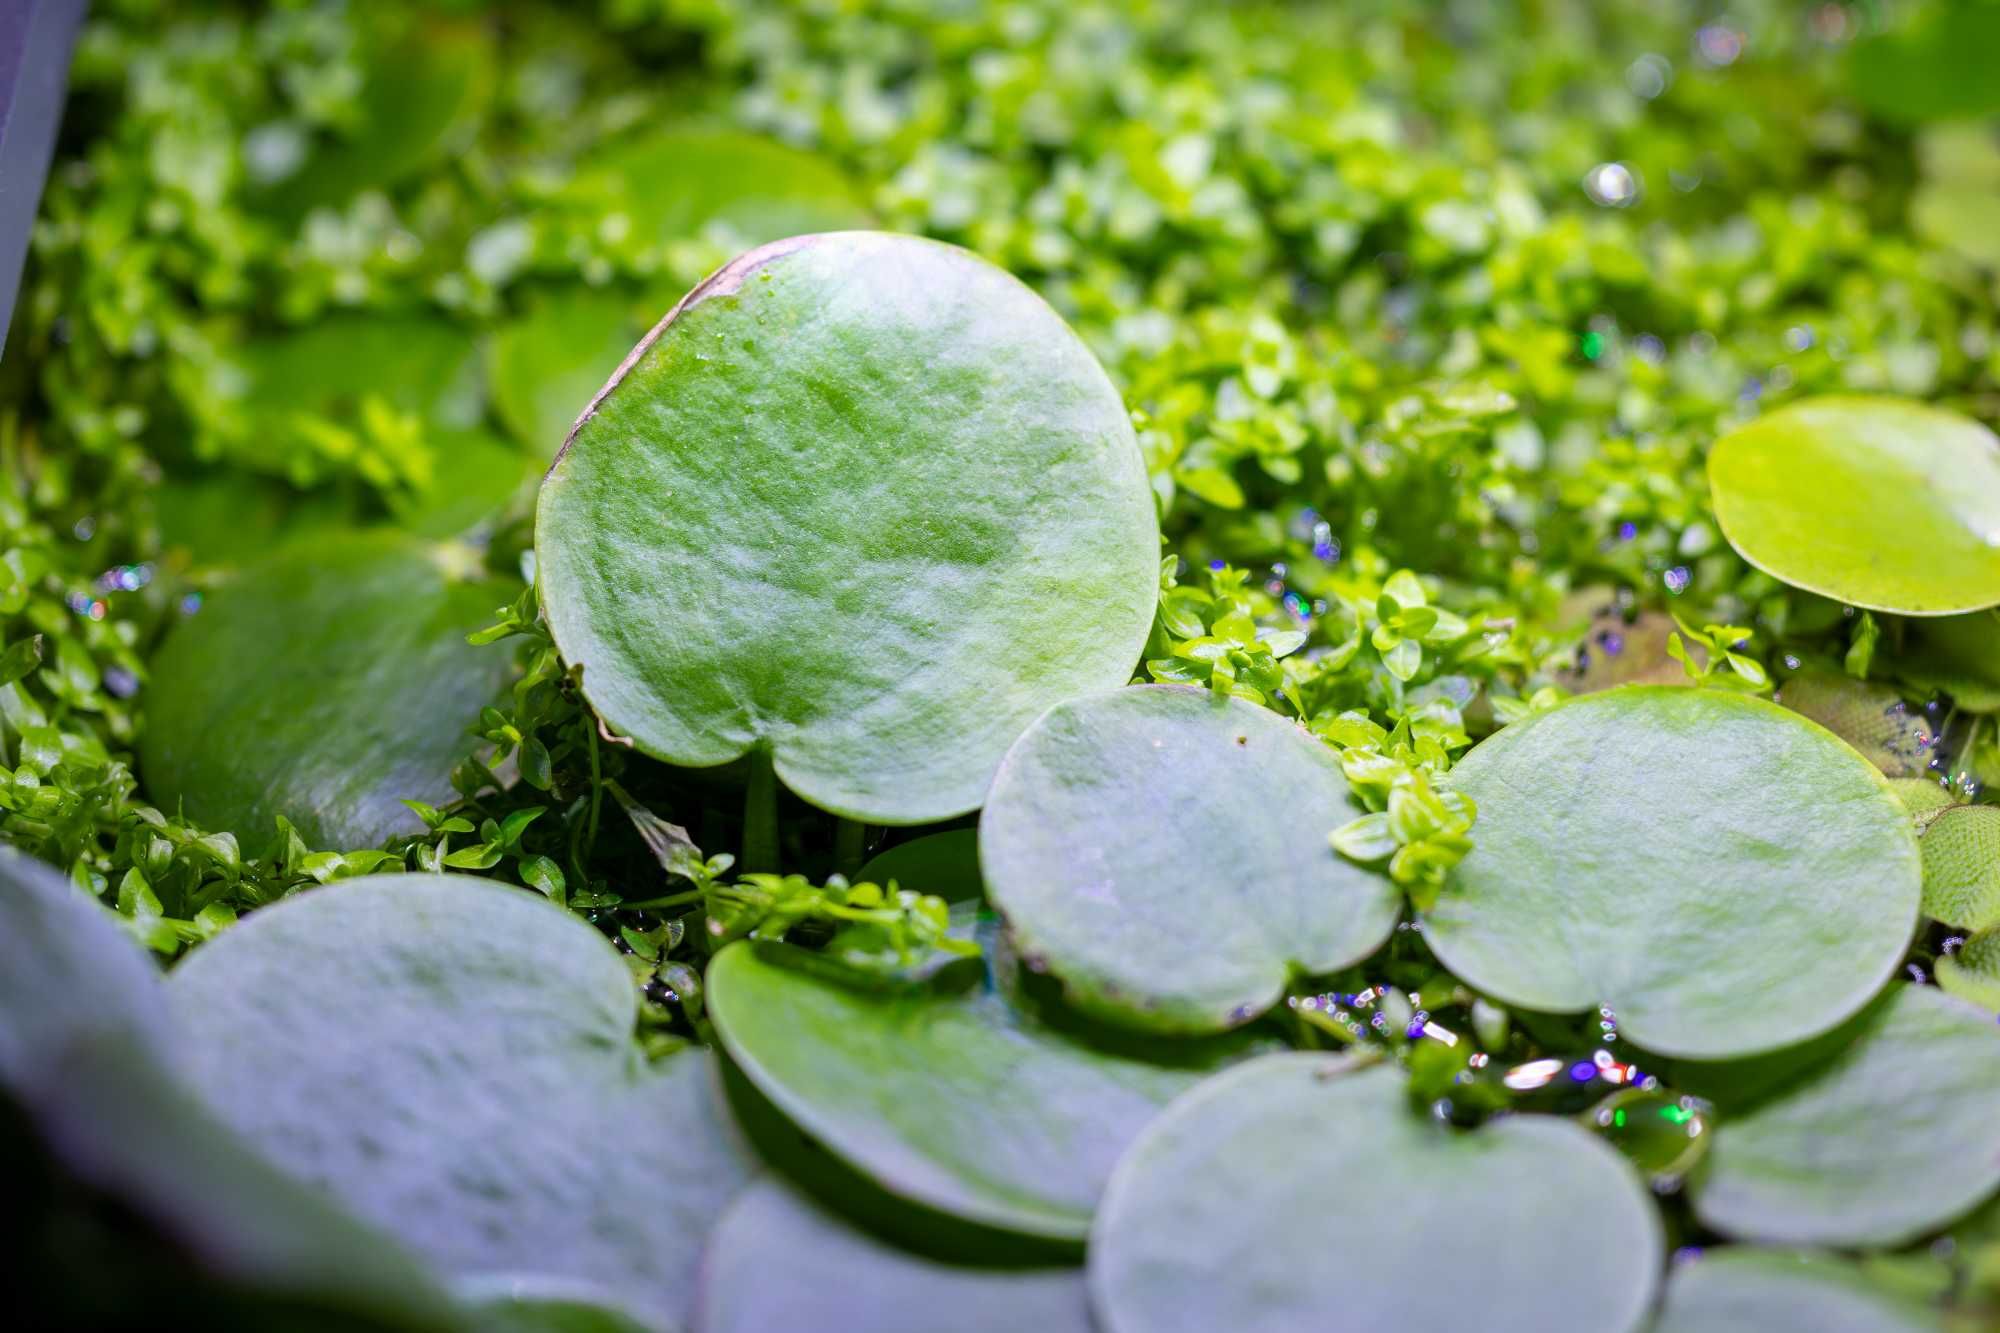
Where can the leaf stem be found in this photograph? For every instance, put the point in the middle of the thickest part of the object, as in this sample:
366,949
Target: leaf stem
596,795
760,816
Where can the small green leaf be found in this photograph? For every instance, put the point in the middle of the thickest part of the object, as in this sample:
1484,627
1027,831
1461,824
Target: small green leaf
20,659
1368,838
535,766
543,875
479,856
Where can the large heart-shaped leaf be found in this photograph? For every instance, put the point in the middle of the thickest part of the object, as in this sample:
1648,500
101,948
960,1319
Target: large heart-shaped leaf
325,685
1229,1211
1741,1289
454,1061
1667,852
87,1054
863,502
1877,502
961,1100
779,1261
1873,1135
1163,851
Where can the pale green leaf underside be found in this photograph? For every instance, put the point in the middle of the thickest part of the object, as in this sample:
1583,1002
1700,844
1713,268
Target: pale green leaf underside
1881,503
453,1060
777,1260
1738,1289
1162,850
1291,1193
93,1065
1670,852
863,500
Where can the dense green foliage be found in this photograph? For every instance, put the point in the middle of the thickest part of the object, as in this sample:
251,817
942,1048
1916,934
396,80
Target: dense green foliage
1424,320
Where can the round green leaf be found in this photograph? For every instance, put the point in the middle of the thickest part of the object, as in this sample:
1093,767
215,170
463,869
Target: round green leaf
453,1060
1934,65
943,864
1670,852
89,1058
960,1101
1881,503
863,501
1961,849
426,80
743,189
546,364
1873,1135
1162,850
325,685
415,363
1741,1289
1295,1192
779,1261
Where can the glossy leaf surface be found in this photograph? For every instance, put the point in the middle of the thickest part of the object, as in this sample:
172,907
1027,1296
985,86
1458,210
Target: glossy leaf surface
327,684
1877,502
